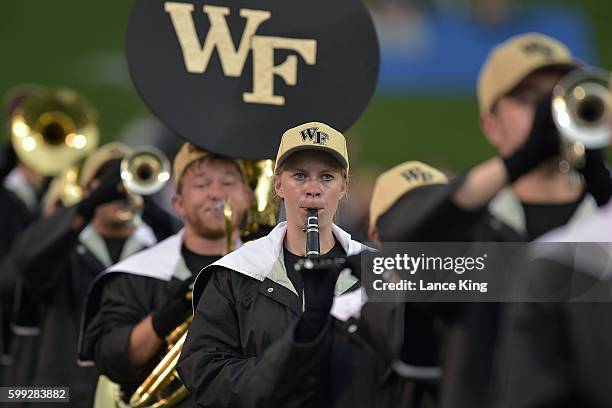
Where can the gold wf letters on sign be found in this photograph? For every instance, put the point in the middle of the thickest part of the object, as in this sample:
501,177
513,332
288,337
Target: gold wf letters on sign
196,56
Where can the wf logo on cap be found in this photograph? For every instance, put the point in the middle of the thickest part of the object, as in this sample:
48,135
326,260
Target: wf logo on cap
538,48
417,174
197,56
314,135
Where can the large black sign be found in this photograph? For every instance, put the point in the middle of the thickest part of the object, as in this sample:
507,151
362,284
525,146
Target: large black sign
232,76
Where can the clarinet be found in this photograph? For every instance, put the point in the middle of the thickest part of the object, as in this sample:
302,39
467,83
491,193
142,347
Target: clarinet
312,234
313,250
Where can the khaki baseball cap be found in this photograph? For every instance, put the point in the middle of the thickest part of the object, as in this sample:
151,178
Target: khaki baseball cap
394,183
188,154
511,61
94,161
313,136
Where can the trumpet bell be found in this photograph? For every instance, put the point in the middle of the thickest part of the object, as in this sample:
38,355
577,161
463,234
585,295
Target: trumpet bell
145,171
53,128
581,107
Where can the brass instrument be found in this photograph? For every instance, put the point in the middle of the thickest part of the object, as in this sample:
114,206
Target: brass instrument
164,375
162,388
64,189
581,110
259,176
50,129
145,171
71,191
229,228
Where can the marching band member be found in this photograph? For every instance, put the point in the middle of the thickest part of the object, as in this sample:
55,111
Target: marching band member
414,202
60,256
517,74
555,351
139,301
262,333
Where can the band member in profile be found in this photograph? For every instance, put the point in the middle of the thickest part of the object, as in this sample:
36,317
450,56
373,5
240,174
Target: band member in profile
414,202
262,333
139,301
527,186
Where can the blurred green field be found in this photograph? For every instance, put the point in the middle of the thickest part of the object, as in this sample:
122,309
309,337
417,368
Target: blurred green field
80,44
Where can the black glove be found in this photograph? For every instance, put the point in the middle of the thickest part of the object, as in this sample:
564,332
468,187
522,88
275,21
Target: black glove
8,160
597,176
319,287
541,145
174,311
110,189
353,262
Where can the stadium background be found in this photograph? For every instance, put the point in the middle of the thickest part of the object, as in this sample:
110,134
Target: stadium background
80,44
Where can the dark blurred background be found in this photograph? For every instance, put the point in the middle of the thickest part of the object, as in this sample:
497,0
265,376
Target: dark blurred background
424,108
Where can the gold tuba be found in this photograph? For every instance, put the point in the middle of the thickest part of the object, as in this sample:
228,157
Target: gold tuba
162,388
581,110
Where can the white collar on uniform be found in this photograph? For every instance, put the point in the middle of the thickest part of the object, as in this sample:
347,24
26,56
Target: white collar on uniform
593,238
158,262
597,227
507,208
22,188
162,261
256,258
143,236
259,260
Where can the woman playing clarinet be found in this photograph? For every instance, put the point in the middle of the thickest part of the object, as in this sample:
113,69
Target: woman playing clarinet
262,333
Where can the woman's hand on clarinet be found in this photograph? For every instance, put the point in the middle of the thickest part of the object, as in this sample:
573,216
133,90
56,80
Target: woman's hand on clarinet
319,287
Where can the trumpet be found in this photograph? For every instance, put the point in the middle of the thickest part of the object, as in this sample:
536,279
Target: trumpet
581,111
145,171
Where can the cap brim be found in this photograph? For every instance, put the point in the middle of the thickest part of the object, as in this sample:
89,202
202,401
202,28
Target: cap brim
569,65
560,65
328,150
